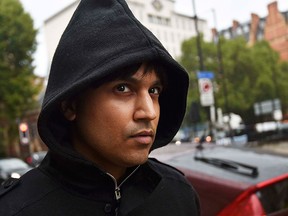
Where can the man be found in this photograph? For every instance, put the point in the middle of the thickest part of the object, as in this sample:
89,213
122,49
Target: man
114,94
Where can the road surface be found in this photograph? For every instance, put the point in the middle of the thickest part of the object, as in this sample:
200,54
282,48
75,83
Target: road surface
172,150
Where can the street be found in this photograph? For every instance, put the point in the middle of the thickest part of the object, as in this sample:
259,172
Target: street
172,150
278,148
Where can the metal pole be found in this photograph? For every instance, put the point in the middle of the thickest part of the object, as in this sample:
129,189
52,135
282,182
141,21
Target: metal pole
200,56
199,49
220,62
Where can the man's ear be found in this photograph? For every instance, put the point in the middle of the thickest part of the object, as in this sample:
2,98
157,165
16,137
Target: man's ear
69,109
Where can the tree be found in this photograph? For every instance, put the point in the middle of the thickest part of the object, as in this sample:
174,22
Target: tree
190,61
19,87
281,82
250,73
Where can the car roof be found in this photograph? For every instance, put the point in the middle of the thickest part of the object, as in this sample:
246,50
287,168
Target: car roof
268,165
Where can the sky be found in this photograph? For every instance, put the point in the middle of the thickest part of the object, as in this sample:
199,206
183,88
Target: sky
218,13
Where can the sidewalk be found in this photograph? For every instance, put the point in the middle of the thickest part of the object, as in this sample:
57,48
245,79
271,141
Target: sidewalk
277,147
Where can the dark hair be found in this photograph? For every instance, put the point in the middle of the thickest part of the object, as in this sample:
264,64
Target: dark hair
128,71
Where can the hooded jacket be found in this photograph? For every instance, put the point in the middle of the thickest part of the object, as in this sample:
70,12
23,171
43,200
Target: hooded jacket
101,37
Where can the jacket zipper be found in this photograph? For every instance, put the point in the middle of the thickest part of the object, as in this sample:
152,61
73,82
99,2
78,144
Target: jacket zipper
117,189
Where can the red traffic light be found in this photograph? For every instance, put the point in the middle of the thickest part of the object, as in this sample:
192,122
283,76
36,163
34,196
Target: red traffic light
24,133
23,127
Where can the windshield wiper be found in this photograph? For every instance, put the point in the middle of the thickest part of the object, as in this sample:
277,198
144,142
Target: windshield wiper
230,165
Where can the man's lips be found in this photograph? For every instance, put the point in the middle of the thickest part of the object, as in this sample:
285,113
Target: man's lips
144,137
144,133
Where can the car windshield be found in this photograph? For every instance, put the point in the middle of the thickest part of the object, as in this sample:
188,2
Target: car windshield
12,164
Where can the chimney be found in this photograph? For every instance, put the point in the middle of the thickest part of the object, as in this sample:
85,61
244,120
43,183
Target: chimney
253,28
273,11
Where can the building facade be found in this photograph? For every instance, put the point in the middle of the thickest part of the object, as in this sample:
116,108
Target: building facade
272,28
159,16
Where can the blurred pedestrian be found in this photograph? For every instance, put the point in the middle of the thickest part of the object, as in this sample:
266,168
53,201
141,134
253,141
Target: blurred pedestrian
109,81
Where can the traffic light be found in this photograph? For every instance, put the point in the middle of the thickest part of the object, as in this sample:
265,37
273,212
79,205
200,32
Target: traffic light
24,133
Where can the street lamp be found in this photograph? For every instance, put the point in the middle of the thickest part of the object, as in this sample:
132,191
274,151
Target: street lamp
199,49
220,62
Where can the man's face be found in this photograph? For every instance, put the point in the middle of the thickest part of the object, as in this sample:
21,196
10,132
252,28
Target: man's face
115,123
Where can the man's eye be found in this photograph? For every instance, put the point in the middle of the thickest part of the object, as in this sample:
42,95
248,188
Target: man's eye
155,90
122,88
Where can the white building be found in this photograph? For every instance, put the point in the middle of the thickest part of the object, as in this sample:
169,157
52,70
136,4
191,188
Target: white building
158,16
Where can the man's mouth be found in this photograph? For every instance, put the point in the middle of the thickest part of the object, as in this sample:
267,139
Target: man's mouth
144,137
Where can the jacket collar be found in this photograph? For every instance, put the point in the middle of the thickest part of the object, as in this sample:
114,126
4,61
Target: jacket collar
86,179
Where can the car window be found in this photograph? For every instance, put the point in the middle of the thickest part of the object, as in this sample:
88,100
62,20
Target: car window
274,198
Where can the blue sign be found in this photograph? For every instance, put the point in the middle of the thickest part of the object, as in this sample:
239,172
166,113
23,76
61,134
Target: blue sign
205,74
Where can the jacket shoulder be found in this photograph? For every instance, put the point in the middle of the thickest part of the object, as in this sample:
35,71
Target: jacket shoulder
16,194
174,184
173,177
165,169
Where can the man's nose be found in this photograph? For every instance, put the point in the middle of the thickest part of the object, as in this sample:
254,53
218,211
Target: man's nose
145,108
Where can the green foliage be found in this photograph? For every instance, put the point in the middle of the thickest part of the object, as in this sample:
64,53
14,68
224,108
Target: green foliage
190,61
249,73
18,85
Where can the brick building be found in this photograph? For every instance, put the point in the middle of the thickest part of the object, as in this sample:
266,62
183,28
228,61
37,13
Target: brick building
272,28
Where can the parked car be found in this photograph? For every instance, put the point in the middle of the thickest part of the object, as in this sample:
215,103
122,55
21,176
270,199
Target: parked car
234,181
35,158
12,167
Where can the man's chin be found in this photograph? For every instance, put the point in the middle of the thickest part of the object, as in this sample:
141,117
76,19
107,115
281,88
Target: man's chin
138,161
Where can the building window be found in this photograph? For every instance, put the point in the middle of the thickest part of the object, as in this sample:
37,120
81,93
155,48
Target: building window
159,20
168,22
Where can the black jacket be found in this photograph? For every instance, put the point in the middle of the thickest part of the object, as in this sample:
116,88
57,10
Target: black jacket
154,189
101,37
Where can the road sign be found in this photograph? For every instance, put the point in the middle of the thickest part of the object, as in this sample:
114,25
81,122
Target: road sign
267,107
205,85
205,74
206,92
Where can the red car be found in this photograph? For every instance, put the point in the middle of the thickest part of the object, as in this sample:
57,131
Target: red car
236,182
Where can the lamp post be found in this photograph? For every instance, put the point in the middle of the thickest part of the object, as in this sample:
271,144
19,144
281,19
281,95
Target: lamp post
199,49
220,62
201,64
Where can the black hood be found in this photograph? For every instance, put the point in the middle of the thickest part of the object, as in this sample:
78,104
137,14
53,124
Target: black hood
104,35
